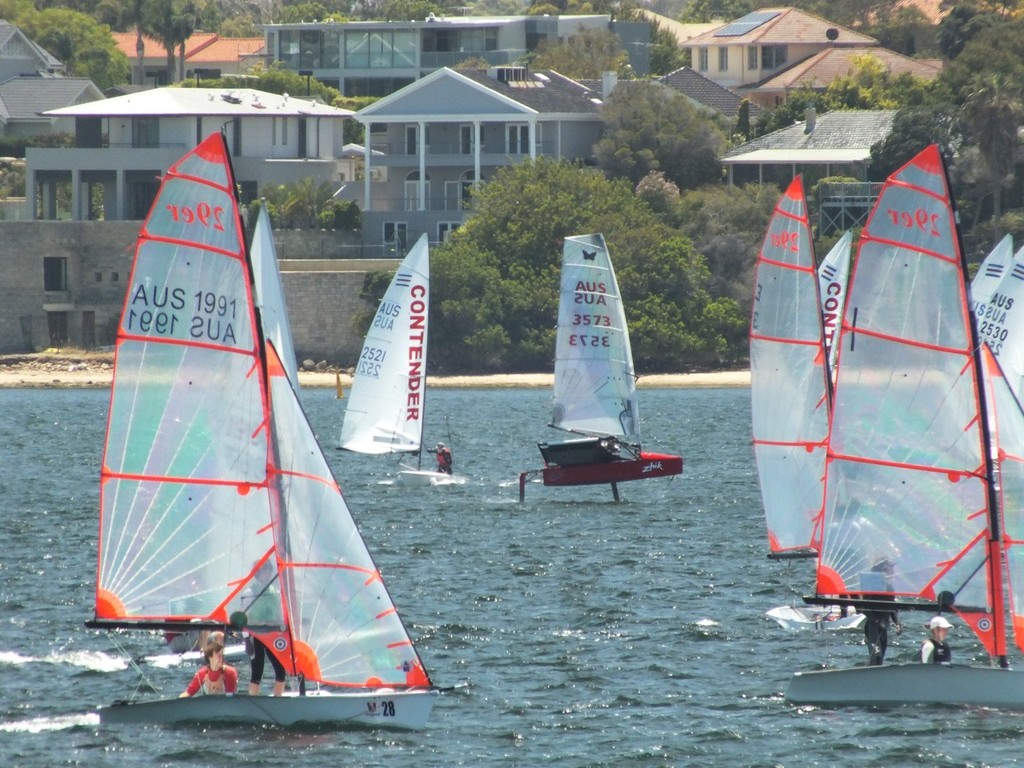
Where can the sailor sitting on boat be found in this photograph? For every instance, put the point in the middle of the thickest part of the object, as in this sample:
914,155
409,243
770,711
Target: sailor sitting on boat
935,649
216,676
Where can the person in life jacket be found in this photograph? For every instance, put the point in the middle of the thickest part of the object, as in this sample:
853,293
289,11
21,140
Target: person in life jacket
216,677
935,649
444,458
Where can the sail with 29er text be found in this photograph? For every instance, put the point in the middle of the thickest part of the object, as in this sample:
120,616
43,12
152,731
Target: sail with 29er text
214,490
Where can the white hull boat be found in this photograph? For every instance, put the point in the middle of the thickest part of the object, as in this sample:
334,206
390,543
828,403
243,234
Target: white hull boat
797,618
405,710
427,477
896,684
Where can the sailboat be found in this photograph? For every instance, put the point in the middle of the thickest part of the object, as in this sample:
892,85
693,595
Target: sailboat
215,494
789,364
388,393
923,424
594,385
993,269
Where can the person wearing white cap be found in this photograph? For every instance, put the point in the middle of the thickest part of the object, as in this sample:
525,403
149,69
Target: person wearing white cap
935,649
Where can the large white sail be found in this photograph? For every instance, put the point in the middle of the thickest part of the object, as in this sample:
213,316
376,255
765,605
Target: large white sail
833,276
787,365
386,399
595,387
999,315
269,294
908,502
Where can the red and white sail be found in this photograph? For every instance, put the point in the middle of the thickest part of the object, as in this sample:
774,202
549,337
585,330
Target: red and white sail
789,379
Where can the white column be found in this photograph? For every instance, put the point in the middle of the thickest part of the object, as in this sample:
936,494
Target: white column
422,138
30,195
76,195
476,152
533,138
367,202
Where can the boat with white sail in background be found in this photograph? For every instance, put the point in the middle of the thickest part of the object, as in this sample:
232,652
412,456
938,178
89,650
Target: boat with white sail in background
595,386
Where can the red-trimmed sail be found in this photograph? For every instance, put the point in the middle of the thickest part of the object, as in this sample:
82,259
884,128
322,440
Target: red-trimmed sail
908,503
789,378
184,500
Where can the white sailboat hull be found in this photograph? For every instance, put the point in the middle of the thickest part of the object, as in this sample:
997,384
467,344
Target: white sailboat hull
405,710
426,477
795,619
895,684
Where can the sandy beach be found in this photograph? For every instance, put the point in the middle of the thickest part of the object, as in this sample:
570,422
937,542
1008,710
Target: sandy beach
55,370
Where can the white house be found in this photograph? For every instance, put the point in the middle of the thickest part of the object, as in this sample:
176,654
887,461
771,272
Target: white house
431,142
124,144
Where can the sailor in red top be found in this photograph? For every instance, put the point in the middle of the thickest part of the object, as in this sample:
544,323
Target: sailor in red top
216,677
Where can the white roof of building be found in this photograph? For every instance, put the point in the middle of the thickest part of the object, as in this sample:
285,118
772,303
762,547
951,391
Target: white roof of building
805,156
220,102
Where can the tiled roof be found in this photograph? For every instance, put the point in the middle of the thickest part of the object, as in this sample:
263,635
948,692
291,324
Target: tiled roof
200,47
546,91
931,9
227,49
24,98
682,32
842,130
788,27
822,68
707,92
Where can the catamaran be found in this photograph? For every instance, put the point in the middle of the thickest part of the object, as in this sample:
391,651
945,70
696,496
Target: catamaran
388,394
215,494
789,364
923,424
595,386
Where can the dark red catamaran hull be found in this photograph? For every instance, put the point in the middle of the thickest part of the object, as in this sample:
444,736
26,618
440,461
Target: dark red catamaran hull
619,471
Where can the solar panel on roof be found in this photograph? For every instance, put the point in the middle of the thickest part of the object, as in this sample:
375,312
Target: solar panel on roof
745,24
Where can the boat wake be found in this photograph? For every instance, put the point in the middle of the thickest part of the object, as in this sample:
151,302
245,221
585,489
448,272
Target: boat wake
44,724
94,661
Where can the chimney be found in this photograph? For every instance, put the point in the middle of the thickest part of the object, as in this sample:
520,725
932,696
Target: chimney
810,119
608,82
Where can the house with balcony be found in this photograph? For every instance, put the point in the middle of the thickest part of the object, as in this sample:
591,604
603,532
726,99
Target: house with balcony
124,144
431,142
377,58
768,53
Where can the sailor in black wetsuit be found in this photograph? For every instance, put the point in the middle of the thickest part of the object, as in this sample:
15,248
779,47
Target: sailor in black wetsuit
935,649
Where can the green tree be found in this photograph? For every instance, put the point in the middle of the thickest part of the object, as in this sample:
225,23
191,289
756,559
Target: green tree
584,55
649,127
666,55
496,280
994,108
85,47
171,22
961,25
704,11
913,129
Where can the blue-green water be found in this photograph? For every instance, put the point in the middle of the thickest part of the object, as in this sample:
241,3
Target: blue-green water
579,632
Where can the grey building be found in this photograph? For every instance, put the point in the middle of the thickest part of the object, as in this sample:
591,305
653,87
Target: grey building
377,58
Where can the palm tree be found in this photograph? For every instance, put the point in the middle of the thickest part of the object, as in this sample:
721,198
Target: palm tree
171,22
993,108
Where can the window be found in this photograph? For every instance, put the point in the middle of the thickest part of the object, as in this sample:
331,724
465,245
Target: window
55,273
395,235
466,134
145,133
773,56
723,58
98,276
115,277
751,57
412,132
702,59
444,229
412,191
518,140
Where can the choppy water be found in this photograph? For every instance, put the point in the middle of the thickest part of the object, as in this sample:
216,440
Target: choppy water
580,632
